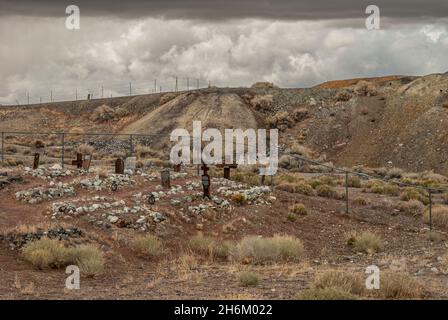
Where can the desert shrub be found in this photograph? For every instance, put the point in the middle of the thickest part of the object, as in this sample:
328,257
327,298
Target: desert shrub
263,85
414,194
248,279
413,207
365,241
49,253
303,188
291,217
445,198
102,113
439,215
202,245
85,149
13,162
384,188
326,191
239,198
222,250
365,88
249,178
11,149
315,182
344,280
45,253
286,186
146,152
281,120
343,96
354,182
326,294
262,102
264,250
396,173
434,236
360,201
148,245
300,209
300,150
398,285
88,258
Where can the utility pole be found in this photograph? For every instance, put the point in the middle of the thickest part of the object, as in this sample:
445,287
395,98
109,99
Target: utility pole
28,97
160,88
197,83
155,85
102,92
40,100
175,89
188,83
51,95
76,94
130,88
209,84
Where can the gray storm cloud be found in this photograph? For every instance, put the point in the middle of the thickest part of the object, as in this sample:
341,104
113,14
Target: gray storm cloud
229,9
39,55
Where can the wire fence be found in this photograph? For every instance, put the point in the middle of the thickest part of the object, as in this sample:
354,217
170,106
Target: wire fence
63,148
106,90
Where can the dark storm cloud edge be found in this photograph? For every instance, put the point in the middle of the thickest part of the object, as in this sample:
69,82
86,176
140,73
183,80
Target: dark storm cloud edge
229,9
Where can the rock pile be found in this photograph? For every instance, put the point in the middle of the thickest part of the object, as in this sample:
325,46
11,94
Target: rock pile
19,240
99,184
39,194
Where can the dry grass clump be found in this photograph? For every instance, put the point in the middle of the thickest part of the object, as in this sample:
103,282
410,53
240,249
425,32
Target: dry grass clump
412,207
85,149
303,188
398,285
326,294
383,188
11,149
300,150
239,198
326,191
343,95
300,209
14,162
257,250
248,279
439,215
347,281
365,88
280,120
291,217
322,180
143,152
414,194
209,247
365,241
102,113
394,173
262,102
249,178
47,253
148,245
360,201
286,186
353,182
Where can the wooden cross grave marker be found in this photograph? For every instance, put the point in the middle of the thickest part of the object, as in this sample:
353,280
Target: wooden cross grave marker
78,161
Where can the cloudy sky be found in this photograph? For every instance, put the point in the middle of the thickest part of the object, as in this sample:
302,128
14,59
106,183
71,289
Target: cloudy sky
229,43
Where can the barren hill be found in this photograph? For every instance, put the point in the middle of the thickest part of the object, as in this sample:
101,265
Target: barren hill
391,121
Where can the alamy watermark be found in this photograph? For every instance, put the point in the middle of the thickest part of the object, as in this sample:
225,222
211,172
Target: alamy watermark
73,20
72,282
188,149
373,21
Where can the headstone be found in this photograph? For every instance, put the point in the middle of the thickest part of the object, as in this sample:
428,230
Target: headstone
227,172
165,176
130,163
205,181
36,161
151,199
86,162
177,167
119,166
78,161
263,178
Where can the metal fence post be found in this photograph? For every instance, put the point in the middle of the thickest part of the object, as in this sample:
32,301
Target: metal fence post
346,192
3,142
430,209
63,149
131,146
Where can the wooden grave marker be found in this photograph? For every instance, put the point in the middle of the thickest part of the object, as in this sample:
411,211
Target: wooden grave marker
78,161
205,181
165,176
119,166
86,162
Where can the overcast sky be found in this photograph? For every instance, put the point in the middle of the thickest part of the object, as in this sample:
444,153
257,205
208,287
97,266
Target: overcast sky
230,43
